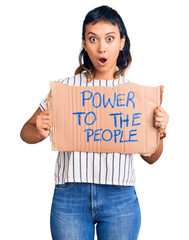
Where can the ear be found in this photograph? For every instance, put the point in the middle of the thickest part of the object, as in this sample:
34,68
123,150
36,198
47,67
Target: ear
84,44
122,43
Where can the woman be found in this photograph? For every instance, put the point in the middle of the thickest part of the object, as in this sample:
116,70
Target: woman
96,188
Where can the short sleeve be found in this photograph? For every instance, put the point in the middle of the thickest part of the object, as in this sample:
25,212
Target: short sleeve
42,104
128,80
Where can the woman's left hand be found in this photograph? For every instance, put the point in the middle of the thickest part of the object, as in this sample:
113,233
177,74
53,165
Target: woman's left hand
161,119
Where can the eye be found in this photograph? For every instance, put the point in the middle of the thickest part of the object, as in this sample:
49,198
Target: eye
93,39
110,38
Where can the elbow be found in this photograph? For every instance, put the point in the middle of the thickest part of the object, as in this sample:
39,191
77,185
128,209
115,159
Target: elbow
22,133
150,160
155,156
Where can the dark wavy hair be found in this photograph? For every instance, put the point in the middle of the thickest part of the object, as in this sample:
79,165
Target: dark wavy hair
106,14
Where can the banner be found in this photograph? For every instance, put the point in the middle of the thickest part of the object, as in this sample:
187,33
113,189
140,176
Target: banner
104,119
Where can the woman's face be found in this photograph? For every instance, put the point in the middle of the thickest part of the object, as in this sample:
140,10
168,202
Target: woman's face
103,44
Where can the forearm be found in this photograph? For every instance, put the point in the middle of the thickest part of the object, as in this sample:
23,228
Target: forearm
29,134
155,156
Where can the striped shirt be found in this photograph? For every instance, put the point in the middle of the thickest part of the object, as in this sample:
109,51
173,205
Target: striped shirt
91,167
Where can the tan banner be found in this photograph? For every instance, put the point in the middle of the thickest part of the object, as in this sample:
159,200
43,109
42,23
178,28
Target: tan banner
104,119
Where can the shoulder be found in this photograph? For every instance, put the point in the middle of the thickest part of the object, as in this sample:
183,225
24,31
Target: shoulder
127,80
74,80
64,80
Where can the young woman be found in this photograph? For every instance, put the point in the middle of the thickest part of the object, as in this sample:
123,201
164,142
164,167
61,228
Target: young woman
95,188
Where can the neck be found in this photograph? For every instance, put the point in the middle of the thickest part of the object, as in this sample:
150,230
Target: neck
103,76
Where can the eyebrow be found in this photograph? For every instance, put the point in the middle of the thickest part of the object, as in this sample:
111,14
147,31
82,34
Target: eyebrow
96,34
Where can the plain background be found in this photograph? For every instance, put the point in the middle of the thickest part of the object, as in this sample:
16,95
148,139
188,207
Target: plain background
40,42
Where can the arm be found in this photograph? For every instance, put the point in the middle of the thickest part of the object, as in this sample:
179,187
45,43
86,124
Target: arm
36,129
155,156
161,119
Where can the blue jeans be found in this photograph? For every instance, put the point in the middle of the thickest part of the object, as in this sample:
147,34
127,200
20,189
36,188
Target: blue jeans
77,207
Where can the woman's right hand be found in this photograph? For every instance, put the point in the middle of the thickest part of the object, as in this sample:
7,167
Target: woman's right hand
44,123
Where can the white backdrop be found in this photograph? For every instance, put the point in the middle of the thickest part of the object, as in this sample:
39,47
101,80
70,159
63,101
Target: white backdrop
40,42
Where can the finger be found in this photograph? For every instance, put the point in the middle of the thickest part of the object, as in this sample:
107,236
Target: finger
160,125
46,113
161,109
43,127
46,116
44,124
47,122
160,114
159,119
160,122
156,111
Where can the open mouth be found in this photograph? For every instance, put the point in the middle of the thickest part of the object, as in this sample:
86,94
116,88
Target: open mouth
102,60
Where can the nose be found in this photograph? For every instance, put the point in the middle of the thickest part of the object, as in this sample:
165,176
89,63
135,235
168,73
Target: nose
101,47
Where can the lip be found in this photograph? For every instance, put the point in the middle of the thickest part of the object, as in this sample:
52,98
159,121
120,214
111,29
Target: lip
102,63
